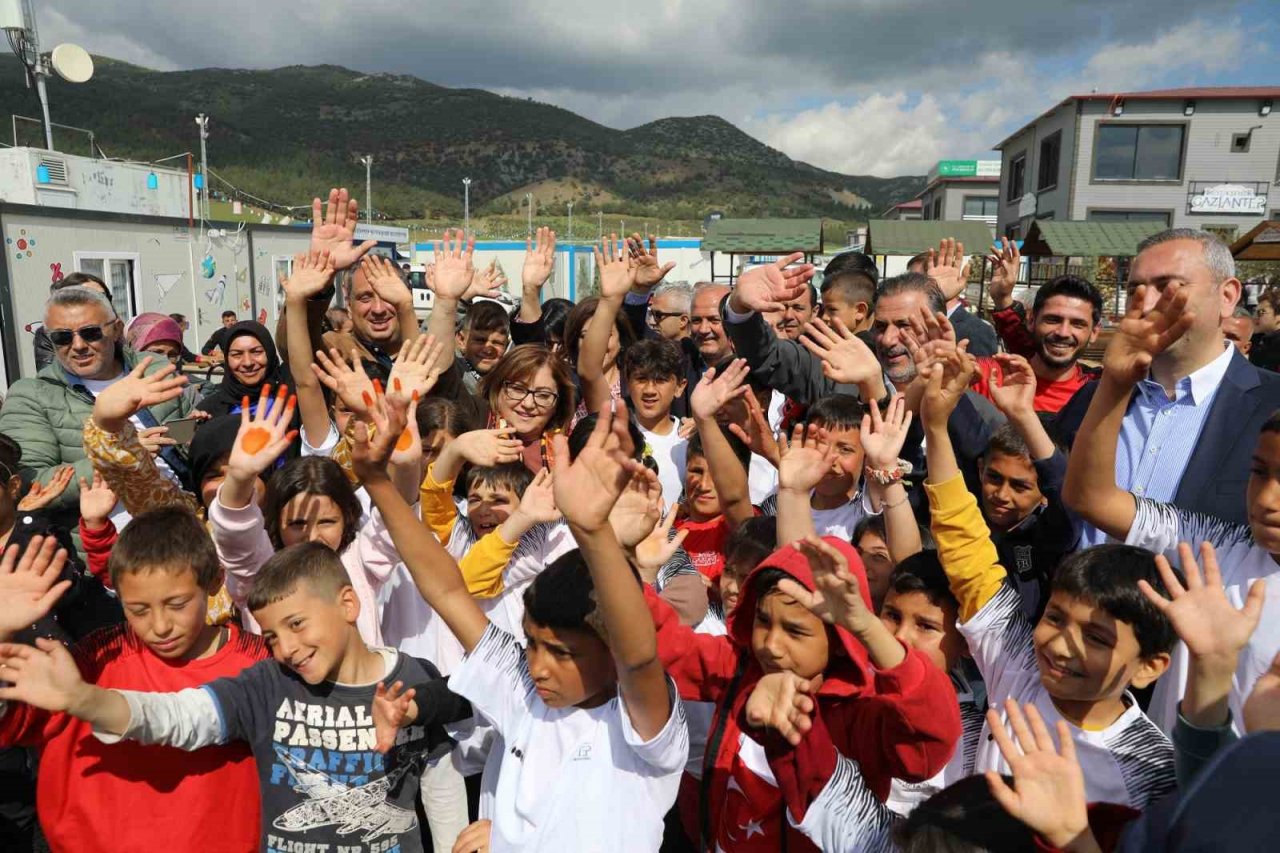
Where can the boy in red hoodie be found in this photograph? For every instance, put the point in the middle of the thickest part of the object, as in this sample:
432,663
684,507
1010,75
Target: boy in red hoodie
94,797
885,705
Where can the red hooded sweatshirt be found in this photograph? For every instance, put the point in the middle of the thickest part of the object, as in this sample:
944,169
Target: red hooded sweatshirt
900,723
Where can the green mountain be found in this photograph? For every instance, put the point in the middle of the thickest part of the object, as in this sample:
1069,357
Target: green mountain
284,134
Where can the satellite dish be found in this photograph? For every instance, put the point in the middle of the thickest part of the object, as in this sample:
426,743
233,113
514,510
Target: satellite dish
72,63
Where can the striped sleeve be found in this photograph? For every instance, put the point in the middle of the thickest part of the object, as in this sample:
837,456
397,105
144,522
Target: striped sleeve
1159,527
1145,758
846,816
679,564
494,678
999,638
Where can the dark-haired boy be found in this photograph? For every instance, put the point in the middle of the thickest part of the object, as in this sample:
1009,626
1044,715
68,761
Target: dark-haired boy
1098,635
483,337
655,371
93,797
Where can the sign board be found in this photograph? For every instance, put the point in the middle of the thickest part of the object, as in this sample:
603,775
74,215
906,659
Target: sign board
1027,206
966,169
381,233
1271,235
1229,198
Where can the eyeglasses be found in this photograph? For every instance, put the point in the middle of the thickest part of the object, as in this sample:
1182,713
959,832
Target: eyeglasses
88,334
517,393
655,317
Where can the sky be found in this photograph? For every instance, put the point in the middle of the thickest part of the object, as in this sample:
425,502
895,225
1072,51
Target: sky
879,87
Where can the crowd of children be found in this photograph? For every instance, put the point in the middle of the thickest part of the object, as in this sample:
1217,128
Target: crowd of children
554,582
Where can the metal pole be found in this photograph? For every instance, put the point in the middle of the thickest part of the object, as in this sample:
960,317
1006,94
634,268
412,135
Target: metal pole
368,188
466,207
570,222
38,70
600,224
528,197
203,121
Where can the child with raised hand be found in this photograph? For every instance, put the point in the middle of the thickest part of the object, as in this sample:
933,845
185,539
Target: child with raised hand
312,273
588,685
163,568
1246,553
1097,637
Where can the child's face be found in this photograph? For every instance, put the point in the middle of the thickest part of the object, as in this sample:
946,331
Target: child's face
878,563
432,444
167,610
786,636
652,396
700,490
846,469
311,518
489,506
341,416
925,626
482,349
308,632
1264,492
1010,489
731,586
1086,654
568,667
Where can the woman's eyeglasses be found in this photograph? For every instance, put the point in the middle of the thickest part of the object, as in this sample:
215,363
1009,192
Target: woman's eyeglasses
517,394
88,334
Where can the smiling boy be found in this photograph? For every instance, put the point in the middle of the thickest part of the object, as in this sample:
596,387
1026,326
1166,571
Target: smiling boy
655,371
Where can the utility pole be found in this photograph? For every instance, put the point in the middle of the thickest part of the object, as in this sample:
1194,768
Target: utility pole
528,197
600,224
368,187
203,121
38,70
570,222
466,207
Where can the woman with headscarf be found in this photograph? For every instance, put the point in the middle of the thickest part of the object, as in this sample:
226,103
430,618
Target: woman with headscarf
251,361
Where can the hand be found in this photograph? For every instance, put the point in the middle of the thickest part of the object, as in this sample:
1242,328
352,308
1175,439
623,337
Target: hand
1048,786
488,447
384,277
838,599
29,586
488,282
44,677
648,271
391,712
947,380
652,552
882,438
766,288
349,382
757,435
335,230
372,449
155,439
1144,334
713,392
783,701
587,489
311,274
1262,708
1013,386
687,428
1205,620
416,369
125,397
473,839
262,437
637,511
539,259
1005,266
617,268
407,453
97,500
948,267
538,503
38,496
845,358
805,460
453,269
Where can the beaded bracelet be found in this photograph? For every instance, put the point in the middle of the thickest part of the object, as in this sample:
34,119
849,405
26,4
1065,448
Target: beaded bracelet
887,477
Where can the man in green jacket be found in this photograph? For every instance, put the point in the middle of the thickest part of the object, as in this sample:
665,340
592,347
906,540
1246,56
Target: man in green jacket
45,414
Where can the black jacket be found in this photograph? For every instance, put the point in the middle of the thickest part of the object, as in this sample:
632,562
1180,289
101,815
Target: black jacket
980,334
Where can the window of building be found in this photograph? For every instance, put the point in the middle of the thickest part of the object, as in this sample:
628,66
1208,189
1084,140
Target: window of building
1240,143
1128,216
1050,155
1138,152
119,270
979,205
1017,177
937,208
1013,232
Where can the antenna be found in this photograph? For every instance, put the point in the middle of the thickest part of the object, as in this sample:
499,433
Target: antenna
71,62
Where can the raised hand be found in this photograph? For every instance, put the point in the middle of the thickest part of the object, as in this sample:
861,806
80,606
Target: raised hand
947,380
948,267
783,701
45,676
29,585
617,267
335,229
385,279
488,282
453,270
713,392
637,511
539,259
883,437
348,381
845,358
757,435
1145,333
488,447
1048,785
805,459
652,552
263,436
372,449
768,287
416,369
648,270
1012,385
587,488
408,450
311,274
97,500
1005,265
40,496
538,503
838,598
392,710
125,397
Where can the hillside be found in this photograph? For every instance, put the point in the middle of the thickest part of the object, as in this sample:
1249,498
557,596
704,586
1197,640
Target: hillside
282,133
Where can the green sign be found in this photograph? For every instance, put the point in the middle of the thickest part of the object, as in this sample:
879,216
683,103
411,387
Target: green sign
957,168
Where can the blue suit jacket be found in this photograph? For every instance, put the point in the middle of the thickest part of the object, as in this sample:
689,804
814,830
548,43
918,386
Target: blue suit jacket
1218,473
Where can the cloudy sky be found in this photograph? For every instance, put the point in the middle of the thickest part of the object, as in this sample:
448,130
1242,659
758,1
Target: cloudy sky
883,87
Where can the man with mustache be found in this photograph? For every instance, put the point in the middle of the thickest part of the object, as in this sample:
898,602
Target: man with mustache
1065,319
789,322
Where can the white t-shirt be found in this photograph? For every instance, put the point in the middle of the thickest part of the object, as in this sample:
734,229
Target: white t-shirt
839,522
571,778
762,478
1159,527
669,451
1130,762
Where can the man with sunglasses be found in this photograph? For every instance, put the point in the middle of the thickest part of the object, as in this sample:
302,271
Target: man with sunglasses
44,348
46,413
